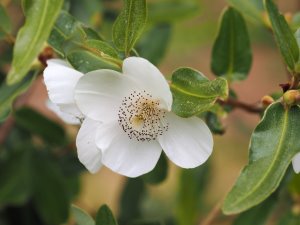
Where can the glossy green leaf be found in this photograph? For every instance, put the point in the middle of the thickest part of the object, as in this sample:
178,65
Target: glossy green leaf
214,123
50,195
129,24
40,125
40,18
105,216
283,35
81,217
273,144
153,45
192,184
290,218
5,25
257,215
63,30
231,54
159,173
170,12
130,205
193,93
15,182
252,10
9,93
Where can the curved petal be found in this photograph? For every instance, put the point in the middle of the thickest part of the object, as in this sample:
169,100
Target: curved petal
88,153
123,155
149,78
99,94
60,81
296,163
69,118
188,142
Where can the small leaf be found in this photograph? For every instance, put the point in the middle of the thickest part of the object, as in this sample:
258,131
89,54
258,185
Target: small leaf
105,216
192,183
214,123
153,45
81,217
193,93
40,125
231,55
283,35
130,205
273,144
40,18
170,12
252,10
9,93
129,24
50,195
257,215
5,25
159,173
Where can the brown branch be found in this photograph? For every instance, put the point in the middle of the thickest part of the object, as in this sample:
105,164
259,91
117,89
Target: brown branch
236,104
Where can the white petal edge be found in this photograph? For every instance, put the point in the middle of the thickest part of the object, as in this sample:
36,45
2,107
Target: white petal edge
123,155
149,78
188,142
66,117
60,80
296,163
99,94
88,153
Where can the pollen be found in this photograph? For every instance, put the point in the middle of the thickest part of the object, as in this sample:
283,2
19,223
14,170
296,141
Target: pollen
141,117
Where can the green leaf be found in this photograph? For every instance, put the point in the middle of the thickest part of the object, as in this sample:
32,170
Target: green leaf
294,185
193,93
81,217
15,182
273,144
130,205
9,93
192,184
231,54
252,10
40,125
283,35
5,25
159,173
290,218
63,30
214,123
50,195
40,18
170,11
257,215
129,24
153,45
105,217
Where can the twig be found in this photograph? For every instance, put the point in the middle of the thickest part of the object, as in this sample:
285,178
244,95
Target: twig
251,108
215,211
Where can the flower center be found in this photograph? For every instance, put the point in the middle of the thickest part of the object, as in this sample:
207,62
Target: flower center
141,117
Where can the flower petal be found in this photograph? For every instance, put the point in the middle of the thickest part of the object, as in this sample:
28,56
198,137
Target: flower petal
296,163
60,81
69,118
188,141
88,153
124,155
99,94
149,78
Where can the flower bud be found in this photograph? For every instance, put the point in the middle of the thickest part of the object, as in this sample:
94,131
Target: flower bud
291,97
267,100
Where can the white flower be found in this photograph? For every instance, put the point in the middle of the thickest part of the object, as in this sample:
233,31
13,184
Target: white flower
60,80
134,109
296,163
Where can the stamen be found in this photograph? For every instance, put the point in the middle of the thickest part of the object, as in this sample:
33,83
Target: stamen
141,117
